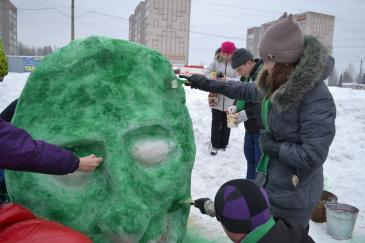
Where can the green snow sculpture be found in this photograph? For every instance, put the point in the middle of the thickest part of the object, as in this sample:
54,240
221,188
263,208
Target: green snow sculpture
112,98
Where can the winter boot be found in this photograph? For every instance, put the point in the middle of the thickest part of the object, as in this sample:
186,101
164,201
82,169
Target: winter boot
213,151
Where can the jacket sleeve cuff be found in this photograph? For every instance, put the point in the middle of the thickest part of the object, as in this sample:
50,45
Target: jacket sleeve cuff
75,164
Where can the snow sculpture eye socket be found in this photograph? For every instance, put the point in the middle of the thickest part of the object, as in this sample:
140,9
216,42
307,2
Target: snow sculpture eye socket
150,145
151,152
81,148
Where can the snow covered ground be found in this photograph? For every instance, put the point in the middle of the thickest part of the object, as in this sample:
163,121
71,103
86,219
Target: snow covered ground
344,169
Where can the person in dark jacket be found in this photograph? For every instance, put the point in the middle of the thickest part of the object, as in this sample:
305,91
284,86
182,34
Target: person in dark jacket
242,208
298,113
248,68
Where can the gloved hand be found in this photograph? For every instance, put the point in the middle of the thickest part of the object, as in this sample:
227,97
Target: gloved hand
205,205
241,117
232,109
195,80
268,145
199,203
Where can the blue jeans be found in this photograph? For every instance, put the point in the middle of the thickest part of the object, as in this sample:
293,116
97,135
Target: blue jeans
252,153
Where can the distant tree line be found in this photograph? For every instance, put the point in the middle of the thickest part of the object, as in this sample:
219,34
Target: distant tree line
348,76
3,62
25,50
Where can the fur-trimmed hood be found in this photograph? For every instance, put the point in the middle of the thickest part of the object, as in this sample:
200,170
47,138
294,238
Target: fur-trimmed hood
314,66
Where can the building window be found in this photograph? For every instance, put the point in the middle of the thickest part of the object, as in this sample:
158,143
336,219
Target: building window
155,44
182,26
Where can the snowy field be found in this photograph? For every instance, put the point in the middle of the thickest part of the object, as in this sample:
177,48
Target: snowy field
344,169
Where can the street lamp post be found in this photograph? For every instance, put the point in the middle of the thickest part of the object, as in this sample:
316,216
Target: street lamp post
360,73
72,20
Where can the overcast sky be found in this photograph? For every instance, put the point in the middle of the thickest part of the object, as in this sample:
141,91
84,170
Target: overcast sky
225,18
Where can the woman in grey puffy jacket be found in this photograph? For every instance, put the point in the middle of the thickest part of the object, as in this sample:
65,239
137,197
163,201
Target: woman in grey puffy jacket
298,112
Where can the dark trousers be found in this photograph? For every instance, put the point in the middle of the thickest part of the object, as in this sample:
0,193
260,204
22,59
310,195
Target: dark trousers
252,153
220,132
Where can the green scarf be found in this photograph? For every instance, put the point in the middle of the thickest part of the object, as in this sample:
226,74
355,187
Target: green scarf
241,105
265,108
257,234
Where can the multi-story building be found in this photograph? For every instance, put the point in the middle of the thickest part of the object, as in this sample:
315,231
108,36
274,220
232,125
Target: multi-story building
137,24
8,26
317,24
163,26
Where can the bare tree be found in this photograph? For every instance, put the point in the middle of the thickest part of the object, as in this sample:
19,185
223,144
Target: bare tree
348,75
25,50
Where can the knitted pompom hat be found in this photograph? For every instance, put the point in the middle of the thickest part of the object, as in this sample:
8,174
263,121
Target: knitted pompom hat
283,41
241,206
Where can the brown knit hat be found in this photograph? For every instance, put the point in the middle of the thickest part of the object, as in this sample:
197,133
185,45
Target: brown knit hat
283,41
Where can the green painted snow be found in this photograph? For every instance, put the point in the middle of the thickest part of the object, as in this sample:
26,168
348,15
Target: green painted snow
110,97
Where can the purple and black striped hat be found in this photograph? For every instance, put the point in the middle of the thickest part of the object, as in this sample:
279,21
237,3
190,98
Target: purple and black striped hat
241,206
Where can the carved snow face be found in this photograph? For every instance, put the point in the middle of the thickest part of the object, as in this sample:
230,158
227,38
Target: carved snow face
110,98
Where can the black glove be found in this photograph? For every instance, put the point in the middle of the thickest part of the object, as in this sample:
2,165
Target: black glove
195,80
268,145
199,203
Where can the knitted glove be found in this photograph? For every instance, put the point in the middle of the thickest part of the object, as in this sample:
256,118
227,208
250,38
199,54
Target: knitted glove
195,80
205,205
